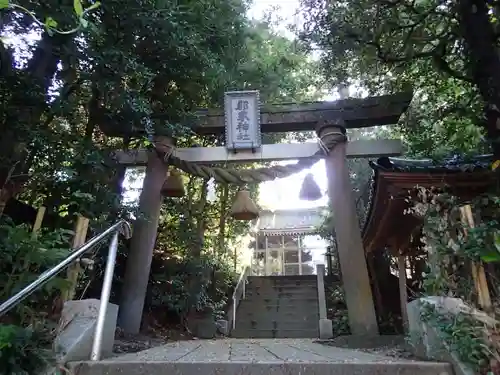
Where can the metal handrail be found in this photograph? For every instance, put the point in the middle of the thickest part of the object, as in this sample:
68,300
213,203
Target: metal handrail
121,226
241,281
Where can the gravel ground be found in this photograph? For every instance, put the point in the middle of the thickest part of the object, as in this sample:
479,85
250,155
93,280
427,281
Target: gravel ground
390,346
135,343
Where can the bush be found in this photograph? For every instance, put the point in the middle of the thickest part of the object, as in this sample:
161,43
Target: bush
23,257
24,351
191,284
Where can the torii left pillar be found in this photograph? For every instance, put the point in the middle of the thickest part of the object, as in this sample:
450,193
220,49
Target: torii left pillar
140,256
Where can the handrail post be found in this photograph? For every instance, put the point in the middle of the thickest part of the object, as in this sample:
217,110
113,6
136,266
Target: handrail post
236,296
234,312
105,294
325,326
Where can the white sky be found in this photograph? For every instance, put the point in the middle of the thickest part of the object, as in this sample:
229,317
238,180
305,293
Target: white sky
287,12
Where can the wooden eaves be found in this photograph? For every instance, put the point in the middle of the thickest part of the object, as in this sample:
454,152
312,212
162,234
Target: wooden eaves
386,224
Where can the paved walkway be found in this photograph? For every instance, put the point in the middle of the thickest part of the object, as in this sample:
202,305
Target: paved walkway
253,351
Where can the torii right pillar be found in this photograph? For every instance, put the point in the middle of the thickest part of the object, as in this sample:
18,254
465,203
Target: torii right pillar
355,279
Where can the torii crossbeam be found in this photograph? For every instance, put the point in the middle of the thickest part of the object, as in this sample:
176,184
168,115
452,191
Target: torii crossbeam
273,152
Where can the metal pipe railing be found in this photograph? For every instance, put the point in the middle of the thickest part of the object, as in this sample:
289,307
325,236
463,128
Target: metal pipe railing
106,287
95,354
241,281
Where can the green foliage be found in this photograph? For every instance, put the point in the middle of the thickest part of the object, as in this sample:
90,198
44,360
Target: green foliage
276,66
389,46
23,257
463,335
50,23
337,310
139,69
192,284
23,350
452,246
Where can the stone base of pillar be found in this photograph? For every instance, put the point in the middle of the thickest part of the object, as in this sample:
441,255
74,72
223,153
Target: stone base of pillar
325,329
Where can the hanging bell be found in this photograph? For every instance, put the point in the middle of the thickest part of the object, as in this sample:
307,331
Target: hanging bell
244,208
173,185
310,190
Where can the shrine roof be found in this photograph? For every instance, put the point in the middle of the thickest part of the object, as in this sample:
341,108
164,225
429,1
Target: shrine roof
386,224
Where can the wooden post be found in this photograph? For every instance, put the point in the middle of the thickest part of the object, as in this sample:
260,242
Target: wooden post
379,303
478,273
403,295
38,220
140,255
73,272
355,279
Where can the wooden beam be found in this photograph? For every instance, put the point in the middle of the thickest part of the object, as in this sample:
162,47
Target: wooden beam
273,152
478,274
74,270
403,294
38,220
292,117
356,112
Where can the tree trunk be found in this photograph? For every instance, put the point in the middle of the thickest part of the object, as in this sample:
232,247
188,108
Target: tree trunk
27,103
201,222
484,62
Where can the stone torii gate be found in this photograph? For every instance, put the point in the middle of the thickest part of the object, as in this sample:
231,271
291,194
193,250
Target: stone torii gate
330,121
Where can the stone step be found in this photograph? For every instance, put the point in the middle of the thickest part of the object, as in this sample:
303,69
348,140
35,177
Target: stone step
293,299
275,368
299,306
277,315
295,284
282,283
270,300
255,357
256,333
308,324
282,279
280,293
282,290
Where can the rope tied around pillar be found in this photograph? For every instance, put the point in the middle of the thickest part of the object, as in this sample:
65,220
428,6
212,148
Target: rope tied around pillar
330,134
327,142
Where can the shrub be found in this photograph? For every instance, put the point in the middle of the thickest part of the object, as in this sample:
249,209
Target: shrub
24,351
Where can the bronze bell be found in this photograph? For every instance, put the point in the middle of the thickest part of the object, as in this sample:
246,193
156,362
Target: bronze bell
173,186
310,190
244,208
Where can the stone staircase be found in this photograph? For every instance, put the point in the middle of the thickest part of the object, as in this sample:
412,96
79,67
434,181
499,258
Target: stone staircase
278,321
278,307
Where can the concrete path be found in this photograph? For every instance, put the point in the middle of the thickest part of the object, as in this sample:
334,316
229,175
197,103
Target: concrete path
252,350
257,356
